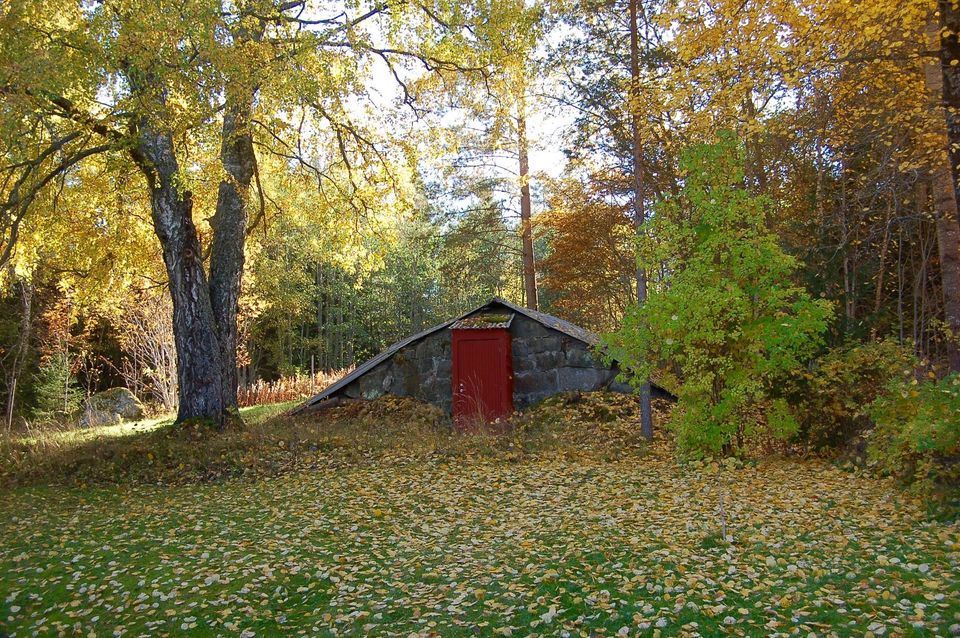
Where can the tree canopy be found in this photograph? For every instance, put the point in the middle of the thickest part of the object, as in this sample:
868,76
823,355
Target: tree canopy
295,184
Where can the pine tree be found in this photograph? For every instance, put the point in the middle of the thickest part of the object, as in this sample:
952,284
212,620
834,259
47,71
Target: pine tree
56,393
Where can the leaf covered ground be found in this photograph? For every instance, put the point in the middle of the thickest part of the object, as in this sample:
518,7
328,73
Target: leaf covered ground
454,543
391,428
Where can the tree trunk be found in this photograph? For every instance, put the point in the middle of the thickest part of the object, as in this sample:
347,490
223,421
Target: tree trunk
755,168
646,416
526,228
947,177
878,293
199,360
948,246
22,347
229,232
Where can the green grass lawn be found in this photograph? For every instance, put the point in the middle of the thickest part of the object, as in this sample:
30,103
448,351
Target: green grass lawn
476,546
74,435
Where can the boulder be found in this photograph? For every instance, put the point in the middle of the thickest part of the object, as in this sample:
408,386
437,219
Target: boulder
110,407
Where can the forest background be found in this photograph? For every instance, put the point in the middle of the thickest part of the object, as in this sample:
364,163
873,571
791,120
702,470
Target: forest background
405,162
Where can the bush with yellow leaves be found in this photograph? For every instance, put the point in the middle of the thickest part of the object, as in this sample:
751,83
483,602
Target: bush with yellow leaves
917,434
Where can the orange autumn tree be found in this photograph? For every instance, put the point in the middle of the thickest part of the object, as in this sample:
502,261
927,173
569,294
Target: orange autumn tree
588,272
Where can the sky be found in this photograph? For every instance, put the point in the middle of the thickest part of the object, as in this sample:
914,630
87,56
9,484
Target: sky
546,123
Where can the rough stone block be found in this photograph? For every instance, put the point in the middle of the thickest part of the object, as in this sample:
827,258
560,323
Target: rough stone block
578,356
524,383
371,384
407,366
110,407
424,364
420,350
546,343
441,343
523,327
519,347
443,367
409,384
549,359
524,364
534,382
585,379
435,389
428,391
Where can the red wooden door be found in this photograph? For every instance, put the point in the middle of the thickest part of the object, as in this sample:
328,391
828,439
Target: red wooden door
482,376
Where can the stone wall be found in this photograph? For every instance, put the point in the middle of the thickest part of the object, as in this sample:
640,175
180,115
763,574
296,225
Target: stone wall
548,362
545,362
423,370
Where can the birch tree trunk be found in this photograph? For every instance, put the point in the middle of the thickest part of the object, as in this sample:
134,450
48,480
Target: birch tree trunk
22,347
199,357
229,232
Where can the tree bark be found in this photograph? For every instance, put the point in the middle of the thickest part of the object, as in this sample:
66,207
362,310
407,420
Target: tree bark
199,359
755,168
22,348
646,415
881,269
526,228
229,233
946,178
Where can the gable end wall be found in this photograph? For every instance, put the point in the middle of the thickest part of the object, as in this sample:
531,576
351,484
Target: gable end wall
545,362
422,370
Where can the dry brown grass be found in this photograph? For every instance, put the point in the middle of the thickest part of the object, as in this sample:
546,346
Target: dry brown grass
290,388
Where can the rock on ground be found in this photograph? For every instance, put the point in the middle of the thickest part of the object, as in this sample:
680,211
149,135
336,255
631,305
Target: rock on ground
110,407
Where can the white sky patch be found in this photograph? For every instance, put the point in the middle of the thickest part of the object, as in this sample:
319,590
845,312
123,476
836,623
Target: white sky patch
546,124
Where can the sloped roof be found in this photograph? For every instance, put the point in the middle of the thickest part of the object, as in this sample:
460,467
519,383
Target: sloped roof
560,325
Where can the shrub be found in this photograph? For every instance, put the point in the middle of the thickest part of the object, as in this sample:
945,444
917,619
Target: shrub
727,316
831,399
917,434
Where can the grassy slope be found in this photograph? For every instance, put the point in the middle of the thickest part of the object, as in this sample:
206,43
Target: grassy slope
151,450
480,546
254,414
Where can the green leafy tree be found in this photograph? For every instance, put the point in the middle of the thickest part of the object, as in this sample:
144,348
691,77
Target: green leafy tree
725,318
